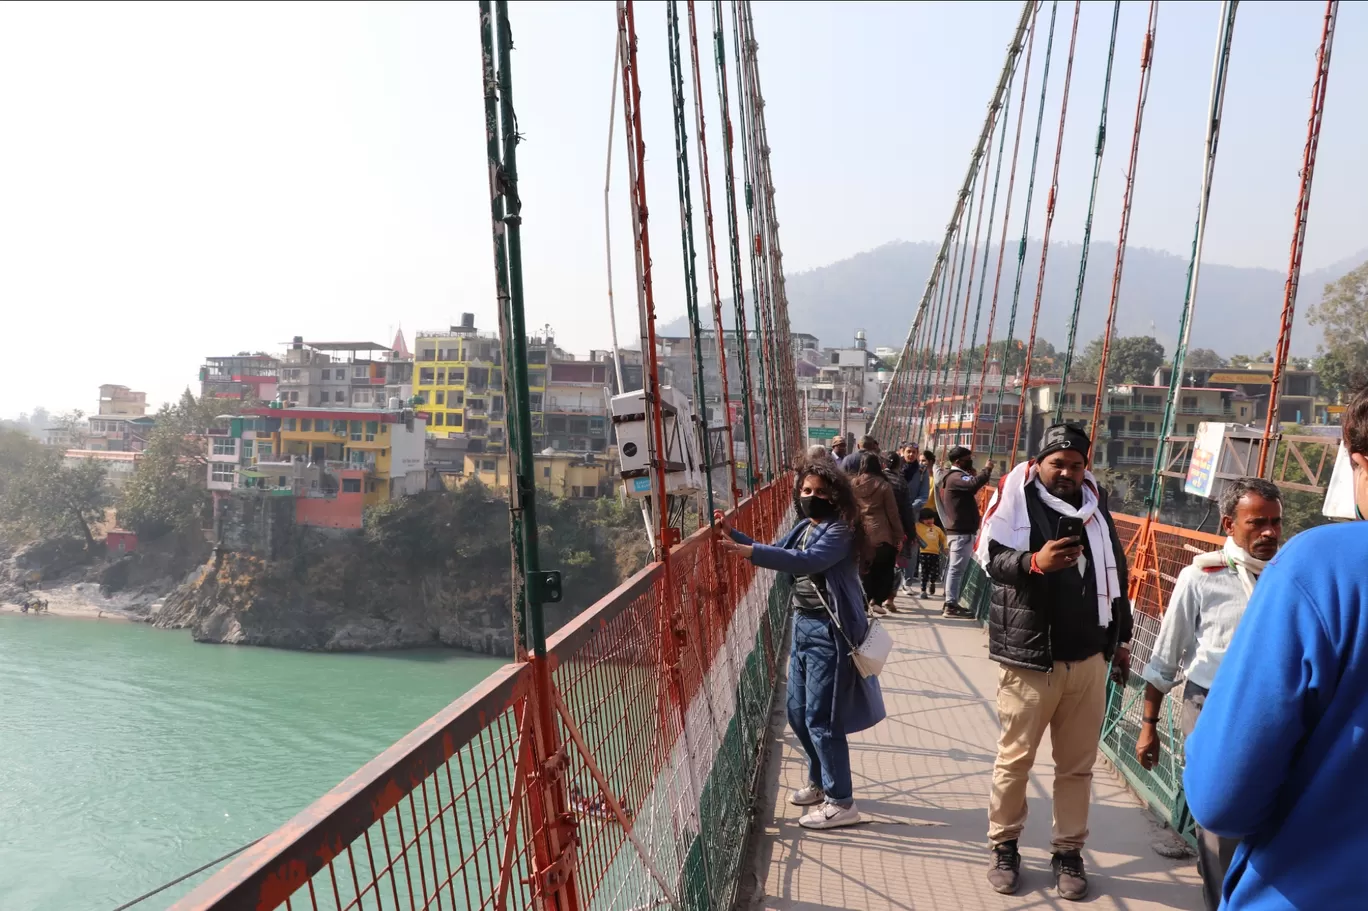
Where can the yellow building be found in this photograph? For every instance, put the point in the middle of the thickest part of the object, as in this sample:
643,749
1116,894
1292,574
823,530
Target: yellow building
562,474
459,376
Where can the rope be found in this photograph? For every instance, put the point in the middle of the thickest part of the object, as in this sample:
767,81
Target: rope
1087,224
1045,241
1308,170
1220,70
954,297
923,378
180,879
1002,250
738,292
686,236
1146,58
733,488
1025,226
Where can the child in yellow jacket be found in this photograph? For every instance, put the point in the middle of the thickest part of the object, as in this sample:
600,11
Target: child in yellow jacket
933,544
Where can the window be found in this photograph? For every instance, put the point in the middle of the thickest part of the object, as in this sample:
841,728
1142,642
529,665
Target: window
596,425
1090,400
425,376
225,446
454,420
1192,428
360,371
289,424
534,401
247,446
351,485
546,472
372,428
264,452
455,398
427,354
488,465
1189,401
355,430
305,425
437,419
294,396
441,376
439,398
282,481
339,427
222,472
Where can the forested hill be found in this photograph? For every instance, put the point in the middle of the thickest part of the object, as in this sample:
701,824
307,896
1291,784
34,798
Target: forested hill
1237,308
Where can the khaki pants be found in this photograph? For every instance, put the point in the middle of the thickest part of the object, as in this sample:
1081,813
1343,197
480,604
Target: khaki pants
1070,702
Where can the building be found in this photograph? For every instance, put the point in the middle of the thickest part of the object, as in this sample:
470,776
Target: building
955,420
1298,402
115,433
573,407
562,474
120,400
242,377
118,466
459,378
359,375
335,462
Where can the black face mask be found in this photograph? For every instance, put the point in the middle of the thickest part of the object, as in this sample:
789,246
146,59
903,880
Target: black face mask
818,508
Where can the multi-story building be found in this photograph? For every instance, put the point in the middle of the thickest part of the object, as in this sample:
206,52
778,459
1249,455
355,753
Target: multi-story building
242,377
344,374
1298,403
120,400
563,474
459,377
573,405
116,433
956,420
335,462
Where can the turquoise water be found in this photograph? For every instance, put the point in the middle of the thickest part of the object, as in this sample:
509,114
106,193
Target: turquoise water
129,755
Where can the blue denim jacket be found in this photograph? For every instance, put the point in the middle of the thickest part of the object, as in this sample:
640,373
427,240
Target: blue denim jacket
830,551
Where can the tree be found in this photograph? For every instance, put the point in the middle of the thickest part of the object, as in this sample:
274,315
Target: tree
167,491
42,496
1133,359
1204,359
74,427
1240,361
1343,312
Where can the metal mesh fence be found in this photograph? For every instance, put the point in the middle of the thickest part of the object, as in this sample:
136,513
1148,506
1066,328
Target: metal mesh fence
617,774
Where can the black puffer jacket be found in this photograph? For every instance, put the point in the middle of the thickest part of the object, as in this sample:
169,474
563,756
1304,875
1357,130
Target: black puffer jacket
1019,615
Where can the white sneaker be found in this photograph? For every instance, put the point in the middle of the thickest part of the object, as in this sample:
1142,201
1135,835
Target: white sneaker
808,796
831,816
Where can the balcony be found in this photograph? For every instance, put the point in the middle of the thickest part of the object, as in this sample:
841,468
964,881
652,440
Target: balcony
1128,434
1133,460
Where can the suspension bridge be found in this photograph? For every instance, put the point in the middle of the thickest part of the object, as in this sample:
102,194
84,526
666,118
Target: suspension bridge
630,760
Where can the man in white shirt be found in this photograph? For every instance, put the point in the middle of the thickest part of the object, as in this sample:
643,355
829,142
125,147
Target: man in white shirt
1209,598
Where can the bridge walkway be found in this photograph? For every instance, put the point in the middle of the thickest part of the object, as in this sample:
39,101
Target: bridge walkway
922,780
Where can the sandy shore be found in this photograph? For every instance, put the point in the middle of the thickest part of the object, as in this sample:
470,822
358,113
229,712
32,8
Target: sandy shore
81,600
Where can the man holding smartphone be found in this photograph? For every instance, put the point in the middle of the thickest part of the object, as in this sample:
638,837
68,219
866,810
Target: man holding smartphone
1058,623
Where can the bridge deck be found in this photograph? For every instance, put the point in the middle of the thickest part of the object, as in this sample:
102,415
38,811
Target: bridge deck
922,780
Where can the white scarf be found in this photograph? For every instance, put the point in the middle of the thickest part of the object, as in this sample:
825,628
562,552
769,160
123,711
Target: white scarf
1238,560
1008,522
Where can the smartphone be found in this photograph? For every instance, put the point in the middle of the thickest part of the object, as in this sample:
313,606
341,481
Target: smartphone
1069,527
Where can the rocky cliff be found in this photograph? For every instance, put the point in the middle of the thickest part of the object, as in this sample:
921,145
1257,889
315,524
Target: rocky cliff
431,570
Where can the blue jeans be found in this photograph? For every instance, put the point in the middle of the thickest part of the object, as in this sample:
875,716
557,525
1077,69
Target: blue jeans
811,697
961,552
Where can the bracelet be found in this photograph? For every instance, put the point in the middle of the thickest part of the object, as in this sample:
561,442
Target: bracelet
1035,567
1154,720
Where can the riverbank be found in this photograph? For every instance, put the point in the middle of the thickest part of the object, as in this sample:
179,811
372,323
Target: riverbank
83,600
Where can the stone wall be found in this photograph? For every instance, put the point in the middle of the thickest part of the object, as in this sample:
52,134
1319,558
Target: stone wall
255,523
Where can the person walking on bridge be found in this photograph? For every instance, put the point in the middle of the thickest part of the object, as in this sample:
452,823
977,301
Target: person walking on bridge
851,464
957,489
881,521
827,698
1277,759
1059,617
1208,601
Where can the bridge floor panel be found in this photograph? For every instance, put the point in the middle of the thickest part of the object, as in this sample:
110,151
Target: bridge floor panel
921,782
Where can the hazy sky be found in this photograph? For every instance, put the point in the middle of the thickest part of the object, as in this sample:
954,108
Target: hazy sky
185,180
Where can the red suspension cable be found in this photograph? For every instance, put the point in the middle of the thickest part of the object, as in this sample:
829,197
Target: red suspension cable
1045,242
1308,170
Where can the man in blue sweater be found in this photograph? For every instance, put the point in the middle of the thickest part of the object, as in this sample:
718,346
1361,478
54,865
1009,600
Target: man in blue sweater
1279,758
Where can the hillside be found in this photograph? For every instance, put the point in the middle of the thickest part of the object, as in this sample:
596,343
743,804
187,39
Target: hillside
878,291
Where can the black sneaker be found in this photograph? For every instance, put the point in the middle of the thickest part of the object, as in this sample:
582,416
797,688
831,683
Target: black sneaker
1071,882
955,611
933,588
1004,874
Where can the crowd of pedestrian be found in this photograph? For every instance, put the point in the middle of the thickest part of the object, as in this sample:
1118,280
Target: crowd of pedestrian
1268,642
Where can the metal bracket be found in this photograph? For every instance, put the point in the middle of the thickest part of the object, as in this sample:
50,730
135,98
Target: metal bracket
545,586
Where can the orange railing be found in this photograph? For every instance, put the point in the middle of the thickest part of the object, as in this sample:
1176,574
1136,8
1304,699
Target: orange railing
660,694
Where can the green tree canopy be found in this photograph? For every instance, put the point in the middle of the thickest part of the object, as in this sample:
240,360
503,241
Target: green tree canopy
41,495
1204,359
1133,359
1343,313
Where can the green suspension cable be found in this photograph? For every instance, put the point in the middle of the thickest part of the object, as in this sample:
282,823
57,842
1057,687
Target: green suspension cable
1087,224
1218,87
733,229
687,240
922,387
954,298
1021,249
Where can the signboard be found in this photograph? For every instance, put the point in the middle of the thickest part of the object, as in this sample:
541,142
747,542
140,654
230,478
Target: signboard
1206,456
1339,493
641,485
823,433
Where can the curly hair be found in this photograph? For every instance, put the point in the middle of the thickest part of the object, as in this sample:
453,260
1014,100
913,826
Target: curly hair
841,494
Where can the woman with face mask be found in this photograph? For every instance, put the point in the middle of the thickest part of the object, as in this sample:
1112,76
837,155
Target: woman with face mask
1277,758
827,697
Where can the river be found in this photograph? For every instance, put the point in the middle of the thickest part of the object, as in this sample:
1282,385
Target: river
130,755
